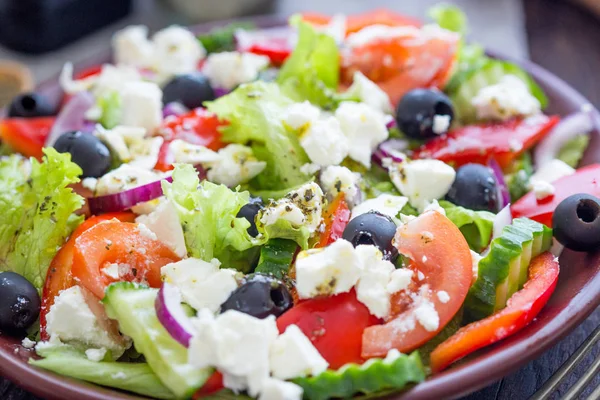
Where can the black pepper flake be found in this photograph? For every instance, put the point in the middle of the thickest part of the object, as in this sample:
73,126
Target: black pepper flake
308,195
134,271
338,185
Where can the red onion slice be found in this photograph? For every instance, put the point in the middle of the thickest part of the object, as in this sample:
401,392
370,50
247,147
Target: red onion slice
503,193
71,117
503,219
171,315
391,123
220,92
392,149
126,199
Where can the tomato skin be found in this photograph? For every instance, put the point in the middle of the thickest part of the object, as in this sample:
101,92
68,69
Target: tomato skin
198,127
118,242
336,218
479,143
277,51
439,251
211,386
334,325
520,310
59,276
585,180
355,23
26,135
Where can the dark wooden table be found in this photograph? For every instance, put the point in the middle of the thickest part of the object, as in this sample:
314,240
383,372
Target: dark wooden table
564,39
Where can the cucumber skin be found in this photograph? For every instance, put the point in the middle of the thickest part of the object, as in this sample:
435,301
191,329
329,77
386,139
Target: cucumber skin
276,257
494,269
375,375
132,305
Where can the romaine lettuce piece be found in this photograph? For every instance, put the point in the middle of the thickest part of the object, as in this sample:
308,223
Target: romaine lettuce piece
476,226
572,151
111,107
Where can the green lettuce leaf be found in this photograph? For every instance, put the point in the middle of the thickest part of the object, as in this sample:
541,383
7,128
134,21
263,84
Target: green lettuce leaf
450,17
572,151
374,181
223,38
312,70
283,229
517,177
111,106
254,112
36,212
476,226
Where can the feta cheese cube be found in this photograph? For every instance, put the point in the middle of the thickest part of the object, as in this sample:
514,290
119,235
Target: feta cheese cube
552,171
123,178
236,164
336,180
364,128
327,271
275,389
203,285
187,153
300,115
142,105
111,79
443,296
292,355
302,207
542,189
230,68
164,222
176,51
399,280
283,209
422,181
120,138
132,47
508,98
385,204
370,93
324,142
372,287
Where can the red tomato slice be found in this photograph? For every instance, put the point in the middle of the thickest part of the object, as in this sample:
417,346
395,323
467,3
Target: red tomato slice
439,251
87,72
26,135
355,23
520,310
334,325
503,141
211,386
59,276
585,180
198,127
336,218
416,59
121,243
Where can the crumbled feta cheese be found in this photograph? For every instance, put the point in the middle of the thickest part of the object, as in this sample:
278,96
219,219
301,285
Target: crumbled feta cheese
443,296
275,389
230,68
310,168
302,207
147,233
337,180
441,124
364,128
435,206
299,116
552,171
164,222
132,47
427,316
111,270
282,209
399,280
327,271
424,259
422,181
236,164
372,287
385,204
120,138
123,178
508,98
142,105
28,343
324,142
292,355
71,319
420,275
176,51
202,284
110,79
89,183
542,189
95,355
475,258
370,93
187,153
336,28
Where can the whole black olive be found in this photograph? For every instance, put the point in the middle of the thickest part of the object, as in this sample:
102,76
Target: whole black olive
87,151
373,228
191,90
475,187
260,296
424,113
29,105
19,302
576,222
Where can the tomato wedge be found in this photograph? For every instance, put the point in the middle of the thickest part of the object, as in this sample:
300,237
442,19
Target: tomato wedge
355,23
334,325
122,243
585,180
504,141
198,127
211,386
520,310
59,276
26,135
440,253
336,218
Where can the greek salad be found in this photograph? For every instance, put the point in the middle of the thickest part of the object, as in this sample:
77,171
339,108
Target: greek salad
339,207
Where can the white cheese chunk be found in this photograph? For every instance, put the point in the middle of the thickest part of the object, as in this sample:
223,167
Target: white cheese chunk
142,105
508,98
336,180
372,287
301,207
299,115
123,178
132,47
435,206
552,171
475,258
95,355
370,93
427,316
292,355
324,141
230,68
176,51
203,285
542,189
27,343
164,222
110,79
275,389
235,164
441,124
187,153
385,204
399,280
443,296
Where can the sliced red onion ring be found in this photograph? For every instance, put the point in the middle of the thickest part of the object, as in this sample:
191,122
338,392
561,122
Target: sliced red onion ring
503,219
171,315
71,117
220,92
391,123
575,124
392,149
503,193
174,108
126,199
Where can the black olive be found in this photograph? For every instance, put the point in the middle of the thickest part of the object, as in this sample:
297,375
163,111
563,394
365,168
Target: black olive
373,228
475,187
249,211
19,303
87,151
260,296
416,113
191,90
576,222
29,105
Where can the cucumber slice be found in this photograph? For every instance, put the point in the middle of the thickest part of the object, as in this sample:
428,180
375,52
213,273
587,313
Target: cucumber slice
276,257
468,84
373,376
132,306
504,270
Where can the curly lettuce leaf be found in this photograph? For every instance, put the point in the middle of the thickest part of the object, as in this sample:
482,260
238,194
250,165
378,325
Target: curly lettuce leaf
110,105
476,226
517,178
572,151
223,38
36,212
450,17
312,70
254,112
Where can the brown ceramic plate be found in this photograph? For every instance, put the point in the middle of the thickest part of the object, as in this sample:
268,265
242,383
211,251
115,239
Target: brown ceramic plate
577,295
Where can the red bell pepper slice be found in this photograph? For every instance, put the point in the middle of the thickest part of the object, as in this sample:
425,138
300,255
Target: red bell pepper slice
503,141
520,310
26,135
336,218
585,180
